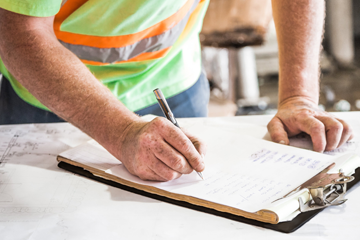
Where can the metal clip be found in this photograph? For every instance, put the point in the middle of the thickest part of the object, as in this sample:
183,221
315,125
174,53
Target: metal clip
329,191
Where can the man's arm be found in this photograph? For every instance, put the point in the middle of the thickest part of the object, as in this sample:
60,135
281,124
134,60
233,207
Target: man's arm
299,28
58,79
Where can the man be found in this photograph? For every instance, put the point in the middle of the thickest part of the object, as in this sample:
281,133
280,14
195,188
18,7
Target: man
133,46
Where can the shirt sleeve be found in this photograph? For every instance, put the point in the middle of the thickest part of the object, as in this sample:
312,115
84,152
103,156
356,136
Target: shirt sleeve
35,8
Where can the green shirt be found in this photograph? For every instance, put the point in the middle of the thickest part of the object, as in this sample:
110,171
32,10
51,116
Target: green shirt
130,80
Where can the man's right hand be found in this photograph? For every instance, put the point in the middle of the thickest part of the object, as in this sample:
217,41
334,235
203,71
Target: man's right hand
159,151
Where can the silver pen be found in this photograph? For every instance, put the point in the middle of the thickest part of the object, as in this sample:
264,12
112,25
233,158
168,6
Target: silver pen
167,112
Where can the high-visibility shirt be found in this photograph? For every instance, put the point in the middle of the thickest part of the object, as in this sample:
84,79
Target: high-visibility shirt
131,46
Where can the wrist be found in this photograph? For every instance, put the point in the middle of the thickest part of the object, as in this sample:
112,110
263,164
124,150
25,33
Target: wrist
115,131
106,120
299,86
298,100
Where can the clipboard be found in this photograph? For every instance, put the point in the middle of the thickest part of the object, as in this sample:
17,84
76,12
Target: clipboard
285,227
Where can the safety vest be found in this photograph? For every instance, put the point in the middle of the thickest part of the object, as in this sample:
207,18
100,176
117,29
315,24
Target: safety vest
131,46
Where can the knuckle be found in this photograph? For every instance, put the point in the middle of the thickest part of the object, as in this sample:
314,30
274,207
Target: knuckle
171,175
177,163
153,144
304,113
159,122
148,140
187,146
317,128
145,138
338,127
301,115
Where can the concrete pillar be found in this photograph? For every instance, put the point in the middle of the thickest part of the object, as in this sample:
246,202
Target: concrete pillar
341,36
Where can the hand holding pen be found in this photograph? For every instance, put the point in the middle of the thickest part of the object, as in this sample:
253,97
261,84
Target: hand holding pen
157,150
168,114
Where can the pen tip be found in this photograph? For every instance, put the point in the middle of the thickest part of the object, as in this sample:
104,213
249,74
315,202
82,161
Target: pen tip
200,174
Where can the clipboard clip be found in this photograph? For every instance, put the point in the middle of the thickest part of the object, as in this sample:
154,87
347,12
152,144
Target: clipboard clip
328,191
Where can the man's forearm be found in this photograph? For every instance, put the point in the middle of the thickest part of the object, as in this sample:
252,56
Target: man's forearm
59,80
299,27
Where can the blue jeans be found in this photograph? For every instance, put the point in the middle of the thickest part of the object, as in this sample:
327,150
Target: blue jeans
190,103
14,110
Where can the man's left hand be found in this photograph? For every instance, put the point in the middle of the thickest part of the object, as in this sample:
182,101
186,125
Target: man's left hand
296,115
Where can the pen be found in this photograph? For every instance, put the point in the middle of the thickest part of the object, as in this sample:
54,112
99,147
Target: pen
167,112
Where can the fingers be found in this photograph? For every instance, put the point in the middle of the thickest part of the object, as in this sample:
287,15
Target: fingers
147,174
167,152
327,133
198,144
277,131
179,141
183,144
172,158
158,160
163,171
316,129
297,115
155,170
334,131
347,133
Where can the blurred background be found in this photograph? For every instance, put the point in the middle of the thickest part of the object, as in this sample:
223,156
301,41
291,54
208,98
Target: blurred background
240,57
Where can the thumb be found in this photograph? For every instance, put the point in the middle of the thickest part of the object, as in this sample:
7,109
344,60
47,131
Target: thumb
277,131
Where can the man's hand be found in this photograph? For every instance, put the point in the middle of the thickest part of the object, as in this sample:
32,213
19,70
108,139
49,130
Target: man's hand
159,151
296,115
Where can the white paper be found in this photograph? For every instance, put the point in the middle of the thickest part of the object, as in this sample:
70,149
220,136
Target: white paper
32,187
241,171
93,155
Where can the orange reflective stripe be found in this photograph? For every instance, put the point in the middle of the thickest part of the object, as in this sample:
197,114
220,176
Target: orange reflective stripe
115,41
192,20
141,57
157,54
